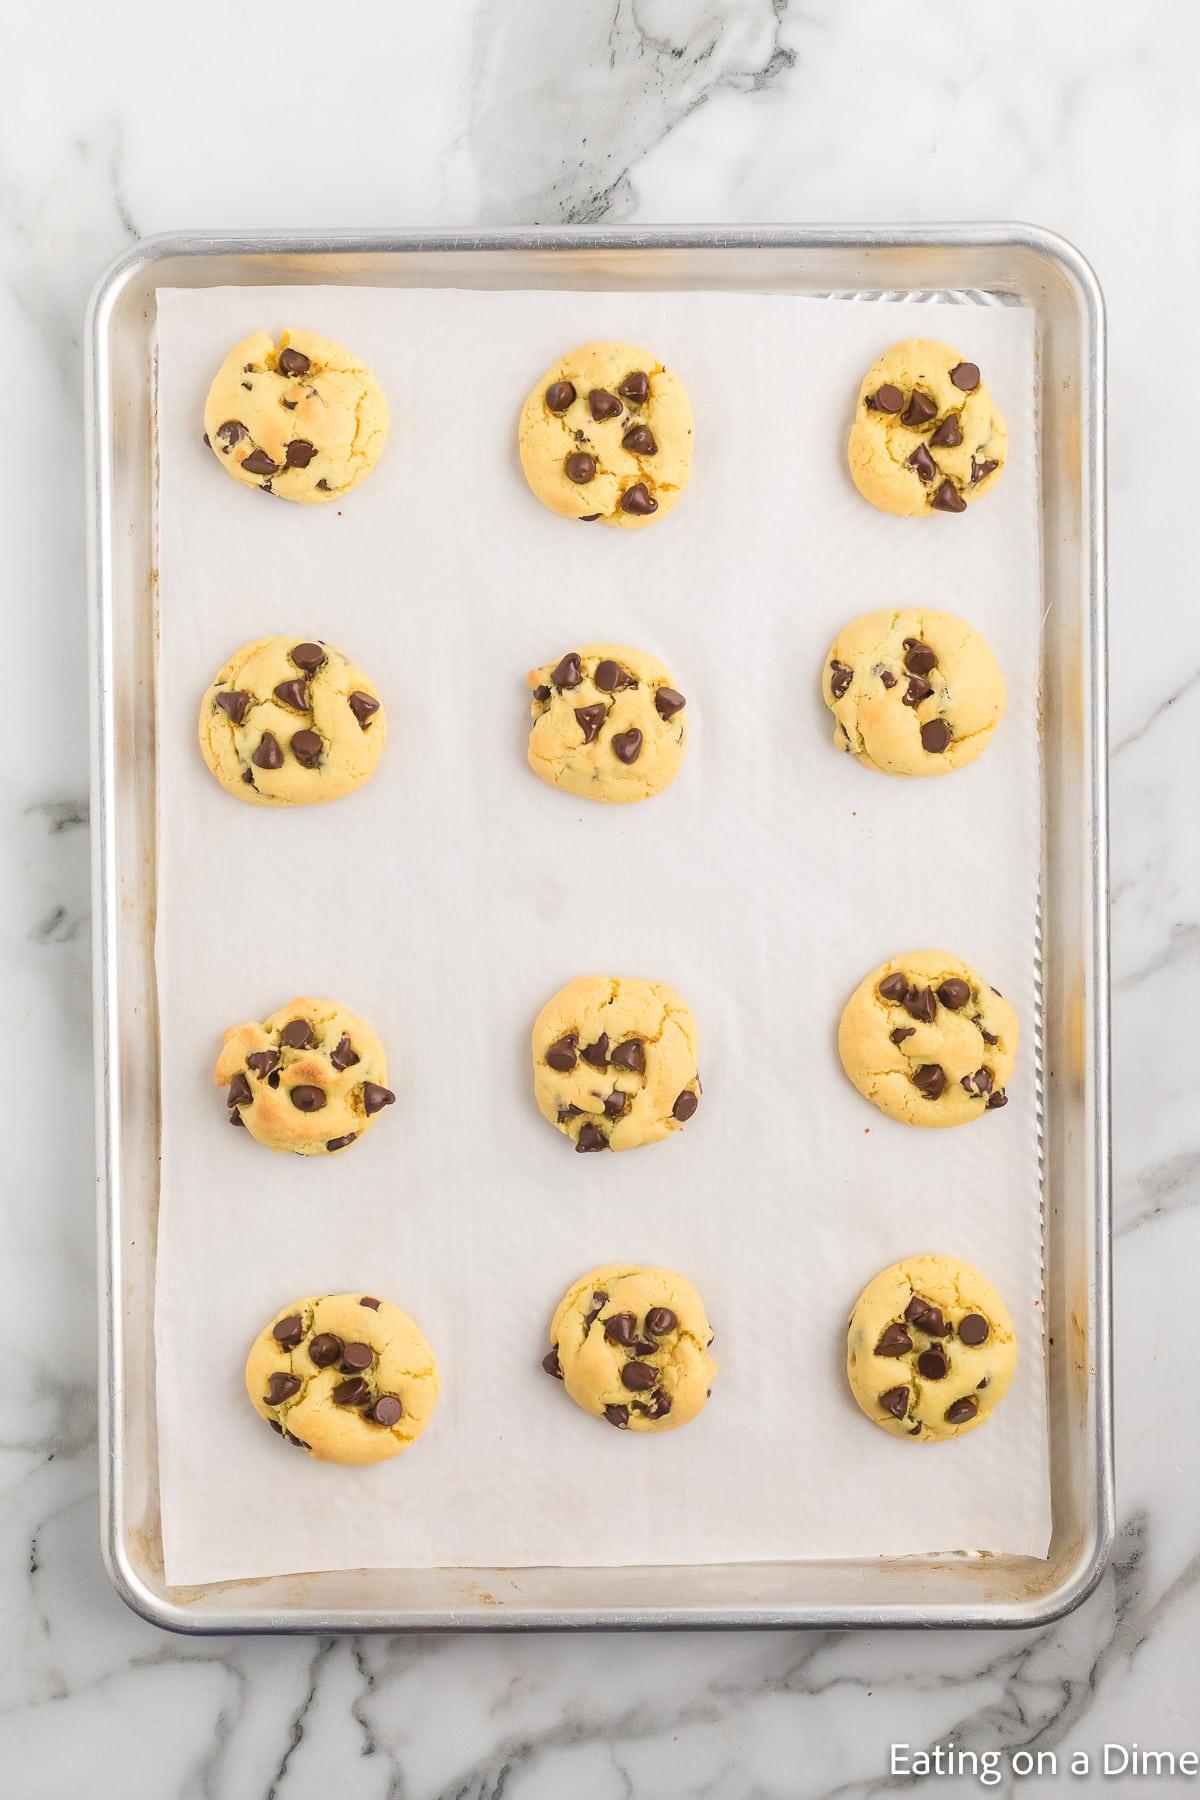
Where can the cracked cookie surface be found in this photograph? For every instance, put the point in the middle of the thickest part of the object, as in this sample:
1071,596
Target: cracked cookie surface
290,722
347,1377
606,435
630,1345
926,435
608,724
928,1041
301,417
614,1062
915,692
311,1079
931,1349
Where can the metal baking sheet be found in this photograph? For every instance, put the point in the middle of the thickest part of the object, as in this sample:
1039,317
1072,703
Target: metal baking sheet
1013,265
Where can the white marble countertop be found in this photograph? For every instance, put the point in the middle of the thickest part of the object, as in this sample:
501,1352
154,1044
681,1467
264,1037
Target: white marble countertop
141,117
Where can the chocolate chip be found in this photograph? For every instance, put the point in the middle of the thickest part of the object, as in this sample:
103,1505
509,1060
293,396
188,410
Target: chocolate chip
370,1300
646,1347
894,987
919,657
887,399
974,1329
936,736
923,463
919,411
236,703
299,1442
627,745
354,1392
954,993
617,1415
597,1053
999,1098
961,1410
590,1139
325,1349
569,1112
615,1104
948,435
932,1364
297,1035
308,1099
980,471
978,1083
289,1330
324,485
637,499
387,1410
249,386
307,749
621,1328
561,1054
541,694
376,1098
341,1143
917,690
981,1384
887,678
948,499
357,1356
965,376
343,1056
639,439
987,1036
895,1401
638,1377
929,1079
569,672
268,755
668,701
580,467
610,677
840,678
239,1091
685,1106
660,1320
552,1365
363,706
300,453
591,718
259,463
232,432
290,404
588,518
636,387
599,1300
294,362
273,1423
921,1005
281,1387
926,1317
308,657
273,1079
293,693
630,1055
895,1341
262,1062
901,1032
559,396
659,1407
604,405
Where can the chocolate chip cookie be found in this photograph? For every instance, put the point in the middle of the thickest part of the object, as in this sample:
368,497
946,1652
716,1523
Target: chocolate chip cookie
289,722
931,1349
630,1345
347,1377
301,417
608,724
311,1079
614,1062
606,434
913,693
927,1040
926,435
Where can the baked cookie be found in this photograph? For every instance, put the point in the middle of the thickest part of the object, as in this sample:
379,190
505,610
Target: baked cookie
346,1377
614,1062
926,1039
312,1079
288,723
914,693
630,1345
301,418
931,1349
926,436
607,434
607,724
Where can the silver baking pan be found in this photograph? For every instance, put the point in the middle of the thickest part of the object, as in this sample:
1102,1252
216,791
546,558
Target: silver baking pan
977,265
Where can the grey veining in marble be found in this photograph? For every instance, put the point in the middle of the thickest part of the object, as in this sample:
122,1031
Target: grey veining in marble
142,116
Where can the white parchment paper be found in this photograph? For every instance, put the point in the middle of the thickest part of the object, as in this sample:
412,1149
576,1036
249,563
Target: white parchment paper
447,900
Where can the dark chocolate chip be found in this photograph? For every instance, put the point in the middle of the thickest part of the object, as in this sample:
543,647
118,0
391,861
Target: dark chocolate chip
621,1328
965,377
636,387
981,470
645,1347
580,467
981,1384
640,440
615,1104
638,1377
668,701
887,678
232,432
919,657
342,1142
236,703
259,463
307,1099
297,1035
987,1036
660,1320
610,677
569,1112
599,1300
363,706
961,1410
324,485
923,463
325,1349
370,1300
569,672
618,1416
685,1106
354,1392
895,1401
300,453
387,1410
974,1329
262,1062
344,1055
887,399
541,694
597,1053
659,1407
561,1054
895,1341
268,755
588,518
604,405
299,1442
307,749
936,736
954,993
926,1317
239,1091
288,1331
552,1365
918,689
948,499
294,362
559,396
894,987
376,1098
840,678
627,745
932,1364
920,1005
920,409
999,1098
293,693
591,718
929,1079
357,1356
590,1139
281,1387
273,1423
308,657
630,1055
290,404
901,1032
637,499
978,1083
948,435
